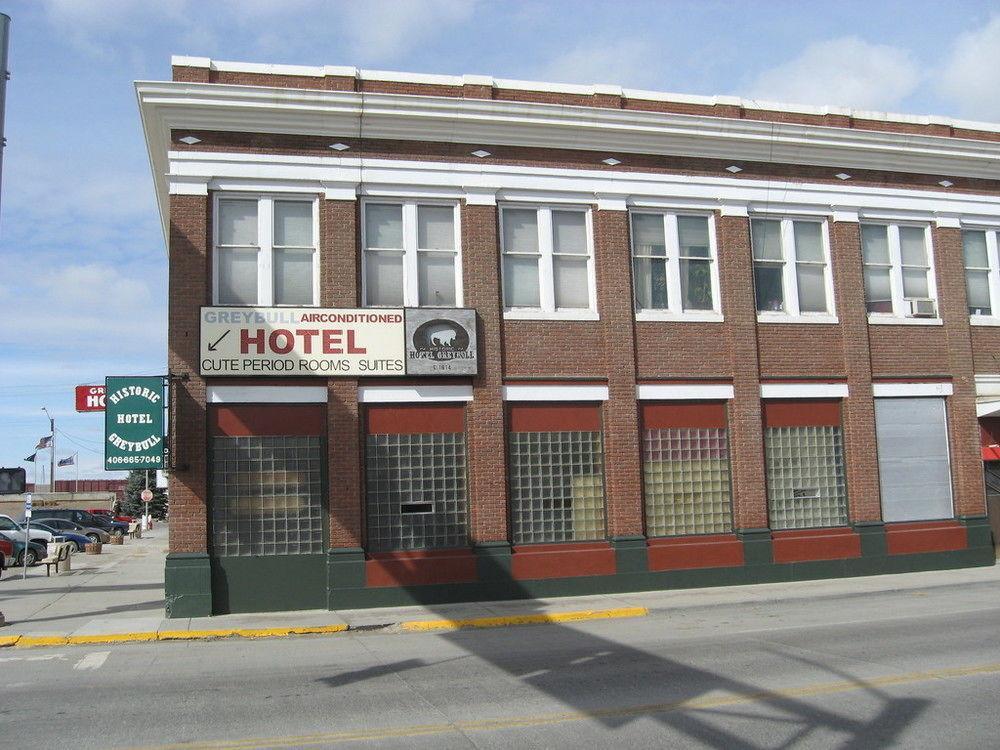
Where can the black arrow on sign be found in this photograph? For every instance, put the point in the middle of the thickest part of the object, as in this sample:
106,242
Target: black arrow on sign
211,347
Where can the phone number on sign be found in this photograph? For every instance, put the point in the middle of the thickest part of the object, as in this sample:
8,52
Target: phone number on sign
134,459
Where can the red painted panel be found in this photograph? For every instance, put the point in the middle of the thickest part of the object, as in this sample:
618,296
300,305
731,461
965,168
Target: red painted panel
989,432
267,419
687,552
420,568
555,418
413,419
704,414
815,544
534,561
925,536
801,412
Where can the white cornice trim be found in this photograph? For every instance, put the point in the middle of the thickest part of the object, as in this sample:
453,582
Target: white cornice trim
910,390
267,394
555,393
803,390
402,394
167,106
677,392
988,385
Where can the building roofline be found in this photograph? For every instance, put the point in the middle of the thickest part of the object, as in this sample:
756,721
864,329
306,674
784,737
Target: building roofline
321,71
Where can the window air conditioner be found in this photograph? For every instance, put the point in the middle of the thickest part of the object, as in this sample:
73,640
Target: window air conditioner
922,308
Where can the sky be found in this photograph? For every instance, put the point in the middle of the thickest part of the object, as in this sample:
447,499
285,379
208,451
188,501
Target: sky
82,258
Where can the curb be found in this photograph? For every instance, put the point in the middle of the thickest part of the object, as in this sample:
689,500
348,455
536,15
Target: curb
35,641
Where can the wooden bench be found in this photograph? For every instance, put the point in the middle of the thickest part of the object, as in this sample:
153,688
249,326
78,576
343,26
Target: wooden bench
57,553
134,529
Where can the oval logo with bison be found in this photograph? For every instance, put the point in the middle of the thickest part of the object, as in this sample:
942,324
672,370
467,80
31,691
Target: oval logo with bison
441,339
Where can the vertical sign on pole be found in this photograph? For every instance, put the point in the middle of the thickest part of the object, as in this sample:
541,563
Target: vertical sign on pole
27,534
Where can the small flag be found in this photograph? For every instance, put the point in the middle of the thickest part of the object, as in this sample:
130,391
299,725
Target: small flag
31,459
45,442
68,461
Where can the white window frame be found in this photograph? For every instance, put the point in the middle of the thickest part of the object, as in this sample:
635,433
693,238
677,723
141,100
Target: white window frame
265,244
674,310
547,309
993,257
899,314
789,279
410,251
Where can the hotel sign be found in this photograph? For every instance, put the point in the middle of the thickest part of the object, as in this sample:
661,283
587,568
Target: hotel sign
133,423
331,342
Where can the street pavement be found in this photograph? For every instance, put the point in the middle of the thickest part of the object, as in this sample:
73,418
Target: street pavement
898,667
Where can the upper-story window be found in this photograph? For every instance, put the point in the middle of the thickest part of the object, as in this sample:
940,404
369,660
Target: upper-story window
674,265
265,251
411,254
982,272
899,275
791,268
548,262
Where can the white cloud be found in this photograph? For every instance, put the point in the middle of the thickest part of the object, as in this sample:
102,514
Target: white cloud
971,75
628,62
847,71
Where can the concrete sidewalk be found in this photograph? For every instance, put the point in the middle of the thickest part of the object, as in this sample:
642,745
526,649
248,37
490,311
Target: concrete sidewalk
118,596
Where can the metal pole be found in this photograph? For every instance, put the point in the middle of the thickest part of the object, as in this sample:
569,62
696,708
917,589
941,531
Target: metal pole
76,462
52,457
4,75
27,540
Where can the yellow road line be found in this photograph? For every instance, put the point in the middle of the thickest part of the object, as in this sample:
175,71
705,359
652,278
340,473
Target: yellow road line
491,725
503,621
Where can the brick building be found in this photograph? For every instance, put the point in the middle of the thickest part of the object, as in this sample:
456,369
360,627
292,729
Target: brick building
712,341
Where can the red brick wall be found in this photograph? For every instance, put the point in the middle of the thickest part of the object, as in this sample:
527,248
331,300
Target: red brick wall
188,290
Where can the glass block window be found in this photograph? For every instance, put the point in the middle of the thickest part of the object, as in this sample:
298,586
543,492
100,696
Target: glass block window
685,464
267,495
556,475
804,448
415,478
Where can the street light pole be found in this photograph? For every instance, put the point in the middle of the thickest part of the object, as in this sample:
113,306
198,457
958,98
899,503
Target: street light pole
52,448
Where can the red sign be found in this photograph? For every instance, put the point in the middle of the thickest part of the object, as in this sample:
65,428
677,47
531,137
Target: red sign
90,398
146,495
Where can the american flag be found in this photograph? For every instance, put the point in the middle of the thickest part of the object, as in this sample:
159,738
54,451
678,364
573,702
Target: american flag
45,442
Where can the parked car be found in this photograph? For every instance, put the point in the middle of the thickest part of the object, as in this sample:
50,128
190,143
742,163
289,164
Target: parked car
6,552
84,518
108,514
63,526
10,529
78,539
36,552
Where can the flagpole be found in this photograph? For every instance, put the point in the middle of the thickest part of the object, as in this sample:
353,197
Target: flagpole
52,455
76,462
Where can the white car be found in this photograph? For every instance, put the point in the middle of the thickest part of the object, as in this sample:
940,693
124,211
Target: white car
10,529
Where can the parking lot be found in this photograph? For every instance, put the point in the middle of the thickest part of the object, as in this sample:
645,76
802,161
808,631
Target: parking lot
122,587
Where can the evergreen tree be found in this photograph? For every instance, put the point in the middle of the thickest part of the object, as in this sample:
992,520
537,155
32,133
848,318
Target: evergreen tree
133,505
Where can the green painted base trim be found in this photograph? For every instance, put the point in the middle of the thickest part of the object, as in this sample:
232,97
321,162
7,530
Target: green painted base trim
493,561
872,535
631,554
662,580
269,583
757,549
345,569
978,531
187,585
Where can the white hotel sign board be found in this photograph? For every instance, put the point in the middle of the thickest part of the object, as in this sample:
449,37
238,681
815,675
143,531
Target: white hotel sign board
302,341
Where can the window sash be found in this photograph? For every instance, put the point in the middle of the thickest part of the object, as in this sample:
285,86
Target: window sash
410,252
789,263
672,261
547,260
992,271
265,246
900,307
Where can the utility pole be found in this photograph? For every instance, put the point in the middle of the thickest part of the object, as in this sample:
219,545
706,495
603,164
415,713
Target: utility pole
52,448
4,75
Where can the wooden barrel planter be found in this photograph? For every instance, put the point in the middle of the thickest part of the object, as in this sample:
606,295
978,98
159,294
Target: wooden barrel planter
94,548
118,540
